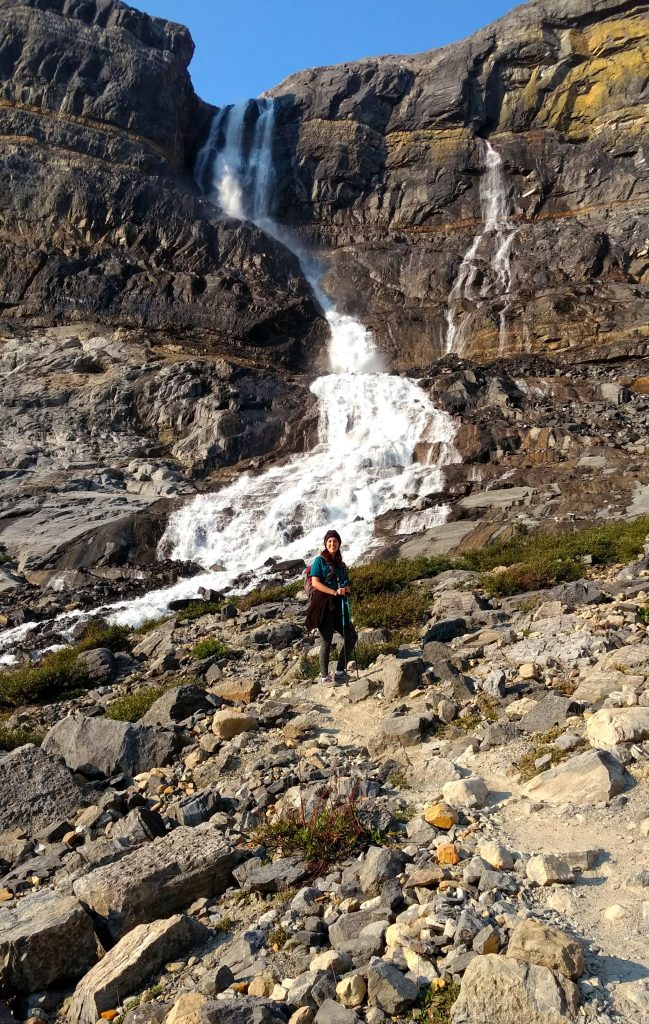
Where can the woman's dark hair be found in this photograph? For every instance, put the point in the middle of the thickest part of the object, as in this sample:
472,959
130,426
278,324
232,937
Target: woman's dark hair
336,559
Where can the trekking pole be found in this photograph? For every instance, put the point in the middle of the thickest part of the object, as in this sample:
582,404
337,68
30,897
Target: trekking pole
342,612
349,615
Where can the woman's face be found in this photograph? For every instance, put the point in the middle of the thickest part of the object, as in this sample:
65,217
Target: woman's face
332,545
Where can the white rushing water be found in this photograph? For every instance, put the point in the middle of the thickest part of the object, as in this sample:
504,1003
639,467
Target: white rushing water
485,271
369,422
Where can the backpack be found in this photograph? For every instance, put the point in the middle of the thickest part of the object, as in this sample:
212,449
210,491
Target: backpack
308,585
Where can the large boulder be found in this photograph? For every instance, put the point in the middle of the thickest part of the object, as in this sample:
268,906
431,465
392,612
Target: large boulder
35,789
497,988
161,878
610,726
176,705
588,778
92,745
535,943
45,939
128,965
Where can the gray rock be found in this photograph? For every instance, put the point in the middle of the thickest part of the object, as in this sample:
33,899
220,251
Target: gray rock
90,745
163,877
389,989
551,710
445,630
404,728
332,1012
347,934
216,980
36,789
379,865
588,778
45,939
255,876
400,675
147,1013
177,705
524,993
128,966
100,665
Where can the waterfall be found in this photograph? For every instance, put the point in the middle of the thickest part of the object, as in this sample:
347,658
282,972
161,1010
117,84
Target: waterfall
369,422
485,271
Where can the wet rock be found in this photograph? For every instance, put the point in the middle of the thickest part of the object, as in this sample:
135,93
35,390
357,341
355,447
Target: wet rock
129,965
525,992
92,745
45,939
164,876
589,778
36,789
535,943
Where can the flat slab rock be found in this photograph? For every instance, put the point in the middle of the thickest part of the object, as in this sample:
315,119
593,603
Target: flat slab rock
128,965
163,877
36,789
45,939
588,778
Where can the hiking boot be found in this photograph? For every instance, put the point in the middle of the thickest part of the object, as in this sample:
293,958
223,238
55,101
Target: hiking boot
326,680
341,676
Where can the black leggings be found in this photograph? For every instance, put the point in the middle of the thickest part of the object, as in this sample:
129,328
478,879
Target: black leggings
332,623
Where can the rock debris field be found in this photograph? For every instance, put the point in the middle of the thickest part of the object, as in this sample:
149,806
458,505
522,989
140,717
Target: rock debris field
486,786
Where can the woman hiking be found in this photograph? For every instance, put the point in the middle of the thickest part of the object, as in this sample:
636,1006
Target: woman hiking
330,581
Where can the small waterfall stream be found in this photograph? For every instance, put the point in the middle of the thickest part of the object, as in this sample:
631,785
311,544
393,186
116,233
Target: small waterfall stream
485,271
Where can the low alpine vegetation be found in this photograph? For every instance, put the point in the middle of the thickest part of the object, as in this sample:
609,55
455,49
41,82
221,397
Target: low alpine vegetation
12,738
328,833
211,647
132,706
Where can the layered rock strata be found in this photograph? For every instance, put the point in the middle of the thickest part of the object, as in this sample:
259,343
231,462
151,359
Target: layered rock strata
382,162
99,219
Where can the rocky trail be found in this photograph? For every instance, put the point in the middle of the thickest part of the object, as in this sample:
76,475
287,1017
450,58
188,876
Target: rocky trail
497,766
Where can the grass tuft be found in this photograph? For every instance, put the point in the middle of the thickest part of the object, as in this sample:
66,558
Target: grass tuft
12,738
436,1003
99,634
262,595
150,625
211,647
132,706
330,833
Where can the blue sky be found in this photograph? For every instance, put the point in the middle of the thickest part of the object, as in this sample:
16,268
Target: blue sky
246,46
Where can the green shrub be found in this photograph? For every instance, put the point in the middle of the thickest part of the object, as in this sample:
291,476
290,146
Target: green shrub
537,574
132,706
330,833
365,654
392,610
278,592
643,614
12,738
150,625
99,634
197,609
437,1002
210,648
56,675
309,667
392,575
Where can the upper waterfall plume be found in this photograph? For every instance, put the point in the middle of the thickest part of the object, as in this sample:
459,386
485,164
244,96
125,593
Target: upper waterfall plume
486,267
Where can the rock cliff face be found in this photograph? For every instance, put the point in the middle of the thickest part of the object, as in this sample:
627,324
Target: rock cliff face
385,165
99,217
